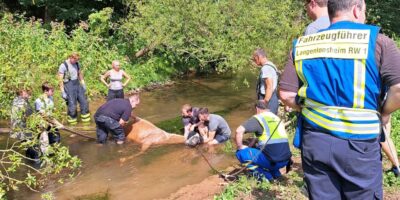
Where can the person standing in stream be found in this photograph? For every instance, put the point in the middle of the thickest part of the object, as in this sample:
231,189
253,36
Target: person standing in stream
73,89
116,86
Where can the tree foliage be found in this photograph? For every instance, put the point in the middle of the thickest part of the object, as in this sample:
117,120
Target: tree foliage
219,34
384,13
71,12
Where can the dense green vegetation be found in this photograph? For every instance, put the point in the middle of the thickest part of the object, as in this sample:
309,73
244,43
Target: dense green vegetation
158,39
384,14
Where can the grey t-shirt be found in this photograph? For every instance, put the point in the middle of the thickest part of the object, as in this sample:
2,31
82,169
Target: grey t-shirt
317,25
219,125
192,120
253,126
267,71
72,69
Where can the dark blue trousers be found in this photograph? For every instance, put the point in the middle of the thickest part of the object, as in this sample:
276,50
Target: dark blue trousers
257,162
106,124
75,95
113,94
273,104
335,168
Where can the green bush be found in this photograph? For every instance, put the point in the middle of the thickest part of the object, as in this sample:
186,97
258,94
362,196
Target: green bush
384,14
32,55
17,170
215,34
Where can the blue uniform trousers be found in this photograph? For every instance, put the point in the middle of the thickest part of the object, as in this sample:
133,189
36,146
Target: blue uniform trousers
336,168
106,124
257,162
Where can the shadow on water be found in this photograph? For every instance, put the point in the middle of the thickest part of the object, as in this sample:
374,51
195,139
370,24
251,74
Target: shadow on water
162,170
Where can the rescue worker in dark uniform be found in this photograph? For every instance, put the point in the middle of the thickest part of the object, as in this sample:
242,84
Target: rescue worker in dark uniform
272,150
334,77
73,88
112,116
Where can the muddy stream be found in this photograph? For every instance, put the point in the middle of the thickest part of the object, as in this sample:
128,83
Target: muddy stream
162,170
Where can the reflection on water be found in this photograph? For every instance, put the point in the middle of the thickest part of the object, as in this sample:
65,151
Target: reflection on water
163,169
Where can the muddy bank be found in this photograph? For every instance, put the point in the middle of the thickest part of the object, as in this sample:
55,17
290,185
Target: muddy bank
206,189
289,187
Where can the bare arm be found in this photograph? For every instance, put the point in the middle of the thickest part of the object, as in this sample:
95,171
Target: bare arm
211,135
239,137
392,103
268,89
193,126
103,78
253,142
289,99
122,122
128,78
187,130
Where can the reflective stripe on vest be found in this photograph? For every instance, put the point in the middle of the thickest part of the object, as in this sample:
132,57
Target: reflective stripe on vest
347,123
340,82
269,122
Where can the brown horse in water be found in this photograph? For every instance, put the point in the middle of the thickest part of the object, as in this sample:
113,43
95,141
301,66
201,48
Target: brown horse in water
145,133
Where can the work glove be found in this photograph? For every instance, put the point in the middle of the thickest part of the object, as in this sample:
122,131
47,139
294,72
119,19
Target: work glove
57,124
64,95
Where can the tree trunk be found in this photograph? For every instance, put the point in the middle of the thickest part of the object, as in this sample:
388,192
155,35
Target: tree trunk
145,50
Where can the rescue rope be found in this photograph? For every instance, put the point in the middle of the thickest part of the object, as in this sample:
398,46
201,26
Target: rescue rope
233,176
60,126
77,133
226,177
207,161
261,149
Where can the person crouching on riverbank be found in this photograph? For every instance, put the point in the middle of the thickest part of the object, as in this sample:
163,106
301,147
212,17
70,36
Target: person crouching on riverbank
112,116
218,129
115,87
272,150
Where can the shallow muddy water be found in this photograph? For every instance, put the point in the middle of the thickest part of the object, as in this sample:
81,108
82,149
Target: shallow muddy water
162,170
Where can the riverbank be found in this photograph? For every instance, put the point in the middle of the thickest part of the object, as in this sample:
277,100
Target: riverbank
290,187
